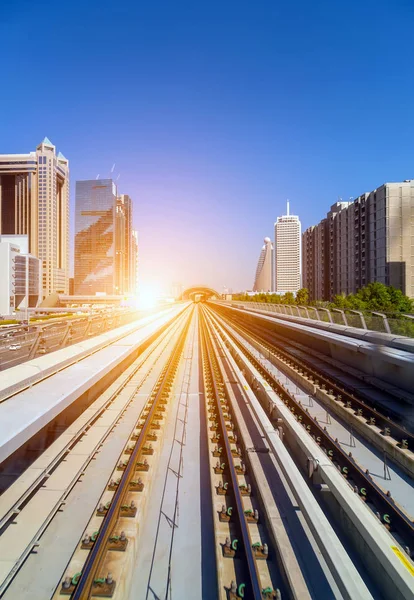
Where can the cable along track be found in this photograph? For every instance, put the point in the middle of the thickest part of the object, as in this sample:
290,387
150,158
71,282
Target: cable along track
390,515
95,579
236,520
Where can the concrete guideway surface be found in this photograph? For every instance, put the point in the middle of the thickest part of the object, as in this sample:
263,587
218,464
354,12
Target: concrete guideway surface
24,414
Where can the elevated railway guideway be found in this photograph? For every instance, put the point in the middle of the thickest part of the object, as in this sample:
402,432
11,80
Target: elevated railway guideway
200,468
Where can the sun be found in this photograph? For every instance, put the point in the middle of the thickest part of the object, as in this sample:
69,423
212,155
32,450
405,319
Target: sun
148,297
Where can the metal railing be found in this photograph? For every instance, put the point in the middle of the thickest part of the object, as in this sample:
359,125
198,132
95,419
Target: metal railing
369,321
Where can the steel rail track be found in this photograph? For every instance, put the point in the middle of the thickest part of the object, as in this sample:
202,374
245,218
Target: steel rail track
214,374
89,577
393,518
366,409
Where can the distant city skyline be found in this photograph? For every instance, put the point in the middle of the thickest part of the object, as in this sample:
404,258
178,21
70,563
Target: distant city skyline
223,120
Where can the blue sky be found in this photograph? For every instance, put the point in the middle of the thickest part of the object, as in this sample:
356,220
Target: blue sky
214,113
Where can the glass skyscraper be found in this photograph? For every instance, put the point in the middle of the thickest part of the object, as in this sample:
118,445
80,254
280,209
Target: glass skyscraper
95,258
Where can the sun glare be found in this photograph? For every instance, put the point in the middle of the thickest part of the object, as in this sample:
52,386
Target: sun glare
148,297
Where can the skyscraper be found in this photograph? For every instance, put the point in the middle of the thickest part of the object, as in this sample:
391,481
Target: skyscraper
34,201
263,281
315,263
95,231
105,246
287,253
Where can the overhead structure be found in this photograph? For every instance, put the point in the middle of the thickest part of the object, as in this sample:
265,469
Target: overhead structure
199,292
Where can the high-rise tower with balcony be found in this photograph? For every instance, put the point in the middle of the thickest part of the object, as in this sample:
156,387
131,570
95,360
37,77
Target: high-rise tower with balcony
34,201
287,253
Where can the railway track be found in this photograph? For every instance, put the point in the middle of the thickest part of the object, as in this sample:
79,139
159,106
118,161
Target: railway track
80,444
269,534
391,516
269,467
101,572
242,546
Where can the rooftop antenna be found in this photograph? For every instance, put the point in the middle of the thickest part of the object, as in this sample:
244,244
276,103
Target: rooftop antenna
113,167
97,177
119,175
287,207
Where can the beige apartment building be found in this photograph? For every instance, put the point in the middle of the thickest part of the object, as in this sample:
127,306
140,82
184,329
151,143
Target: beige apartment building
263,281
287,253
34,201
369,239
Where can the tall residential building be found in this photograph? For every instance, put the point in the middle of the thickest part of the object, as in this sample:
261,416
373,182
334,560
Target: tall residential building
287,253
315,266
367,240
263,281
95,231
34,201
21,275
309,260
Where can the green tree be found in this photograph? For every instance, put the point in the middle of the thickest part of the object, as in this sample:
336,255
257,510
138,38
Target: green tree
302,297
376,297
288,298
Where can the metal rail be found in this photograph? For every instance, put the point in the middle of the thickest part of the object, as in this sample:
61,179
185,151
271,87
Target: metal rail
94,562
391,515
214,374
